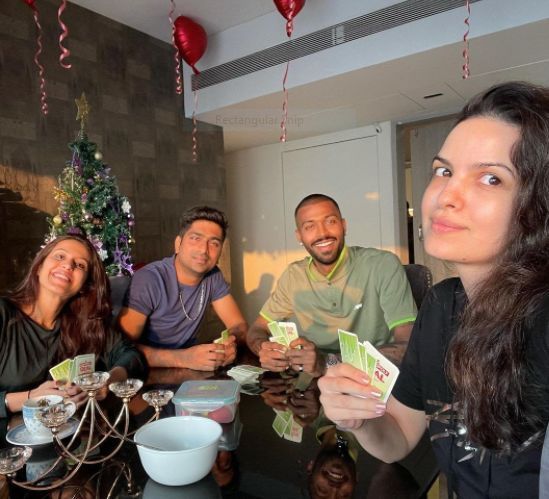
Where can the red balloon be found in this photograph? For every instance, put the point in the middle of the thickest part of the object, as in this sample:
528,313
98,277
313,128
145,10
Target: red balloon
289,8
191,40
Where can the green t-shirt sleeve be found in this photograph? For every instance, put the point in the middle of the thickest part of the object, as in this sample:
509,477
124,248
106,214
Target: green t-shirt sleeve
279,305
395,295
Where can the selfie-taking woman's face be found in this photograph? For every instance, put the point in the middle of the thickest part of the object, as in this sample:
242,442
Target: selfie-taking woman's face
468,205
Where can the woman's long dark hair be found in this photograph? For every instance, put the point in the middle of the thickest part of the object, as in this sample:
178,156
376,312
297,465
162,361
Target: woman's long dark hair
84,319
486,362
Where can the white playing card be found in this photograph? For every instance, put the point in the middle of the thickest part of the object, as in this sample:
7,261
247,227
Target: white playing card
384,374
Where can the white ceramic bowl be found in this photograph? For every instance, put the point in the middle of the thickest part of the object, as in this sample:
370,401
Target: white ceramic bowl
189,447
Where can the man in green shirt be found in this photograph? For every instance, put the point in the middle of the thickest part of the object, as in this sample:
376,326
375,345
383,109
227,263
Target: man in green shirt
362,290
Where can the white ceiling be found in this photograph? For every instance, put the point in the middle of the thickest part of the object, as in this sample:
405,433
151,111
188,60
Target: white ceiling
358,98
151,16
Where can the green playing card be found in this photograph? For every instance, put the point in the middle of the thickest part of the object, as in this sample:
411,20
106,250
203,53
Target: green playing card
282,340
275,329
294,431
62,371
281,422
224,336
350,351
290,329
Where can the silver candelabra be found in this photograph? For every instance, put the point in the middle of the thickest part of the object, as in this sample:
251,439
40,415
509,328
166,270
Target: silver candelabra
93,417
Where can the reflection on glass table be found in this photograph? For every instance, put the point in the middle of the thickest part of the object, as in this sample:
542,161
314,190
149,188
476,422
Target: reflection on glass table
253,459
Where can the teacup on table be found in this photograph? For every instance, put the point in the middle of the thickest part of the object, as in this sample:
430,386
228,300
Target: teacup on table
31,411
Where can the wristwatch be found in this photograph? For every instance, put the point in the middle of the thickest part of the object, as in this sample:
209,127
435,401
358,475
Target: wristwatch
331,360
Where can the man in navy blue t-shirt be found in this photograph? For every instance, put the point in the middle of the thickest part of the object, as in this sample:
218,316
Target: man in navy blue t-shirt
167,299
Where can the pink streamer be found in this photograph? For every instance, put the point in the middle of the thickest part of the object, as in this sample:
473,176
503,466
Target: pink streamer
290,21
284,105
41,72
65,52
289,31
289,26
178,79
465,67
195,127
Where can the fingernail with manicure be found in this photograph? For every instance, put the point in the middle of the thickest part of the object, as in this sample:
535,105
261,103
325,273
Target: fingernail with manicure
380,408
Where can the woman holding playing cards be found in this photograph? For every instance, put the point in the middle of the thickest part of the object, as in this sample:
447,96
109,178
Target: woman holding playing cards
61,309
476,372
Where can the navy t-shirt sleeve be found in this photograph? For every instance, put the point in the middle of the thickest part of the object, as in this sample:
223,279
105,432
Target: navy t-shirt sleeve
219,286
143,292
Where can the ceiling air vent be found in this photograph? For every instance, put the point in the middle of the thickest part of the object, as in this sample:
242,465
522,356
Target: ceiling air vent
359,27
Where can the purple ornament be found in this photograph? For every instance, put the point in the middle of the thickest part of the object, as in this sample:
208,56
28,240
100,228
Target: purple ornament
76,163
126,263
90,181
74,230
97,243
131,223
117,256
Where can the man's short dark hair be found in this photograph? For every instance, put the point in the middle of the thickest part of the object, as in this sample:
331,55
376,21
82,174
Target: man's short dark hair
203,213
315,198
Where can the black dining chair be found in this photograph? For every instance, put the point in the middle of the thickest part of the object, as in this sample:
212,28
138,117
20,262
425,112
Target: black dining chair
119,286
420,279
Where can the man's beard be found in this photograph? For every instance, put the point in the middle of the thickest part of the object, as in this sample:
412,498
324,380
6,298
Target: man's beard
328,259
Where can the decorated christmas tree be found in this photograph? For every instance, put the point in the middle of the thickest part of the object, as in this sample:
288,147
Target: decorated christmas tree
90,203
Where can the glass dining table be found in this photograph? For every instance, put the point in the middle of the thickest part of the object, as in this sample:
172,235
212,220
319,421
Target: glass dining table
254,460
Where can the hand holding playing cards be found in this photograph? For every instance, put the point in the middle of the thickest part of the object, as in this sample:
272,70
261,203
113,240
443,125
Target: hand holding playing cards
75,394
46,388
303,356
229,346
348,397
272,356
206,357
67,391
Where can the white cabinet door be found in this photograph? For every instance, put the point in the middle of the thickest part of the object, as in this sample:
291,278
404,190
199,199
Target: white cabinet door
348,172
425,143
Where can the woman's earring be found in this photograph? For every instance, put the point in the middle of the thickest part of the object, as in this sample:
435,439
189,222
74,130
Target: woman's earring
420,232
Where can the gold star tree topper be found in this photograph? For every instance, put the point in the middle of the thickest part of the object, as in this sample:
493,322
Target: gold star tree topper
83,111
